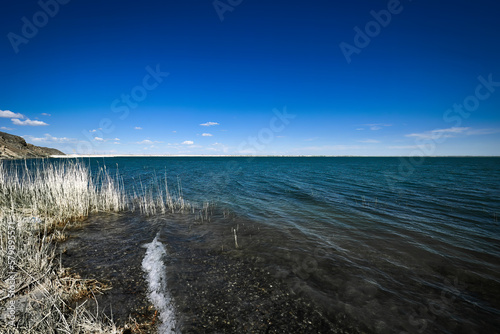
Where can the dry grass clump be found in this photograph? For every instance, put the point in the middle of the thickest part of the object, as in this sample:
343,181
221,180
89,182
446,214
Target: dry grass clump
58,191
157,198
35,294
67,191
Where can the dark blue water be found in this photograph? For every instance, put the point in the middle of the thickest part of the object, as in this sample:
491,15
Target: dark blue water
395,249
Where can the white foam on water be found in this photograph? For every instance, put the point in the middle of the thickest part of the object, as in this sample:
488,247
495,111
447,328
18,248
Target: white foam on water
155,269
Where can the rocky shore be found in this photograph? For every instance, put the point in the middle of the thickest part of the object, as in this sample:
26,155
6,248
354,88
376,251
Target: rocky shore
15,147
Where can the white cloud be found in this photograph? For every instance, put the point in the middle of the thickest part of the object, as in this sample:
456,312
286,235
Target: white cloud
50,139
360,129
452,132
10,114
28,122
209,124
439,133
218,147
188,142
378,126
6,128
45,114
311,139
96,138
149,142
482,131
94,130
403,147
207,135
369,141
137,128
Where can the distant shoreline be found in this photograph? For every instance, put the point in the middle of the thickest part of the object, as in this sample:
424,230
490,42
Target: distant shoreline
258,156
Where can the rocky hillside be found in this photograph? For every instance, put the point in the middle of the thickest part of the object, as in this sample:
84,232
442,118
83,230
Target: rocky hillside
15,147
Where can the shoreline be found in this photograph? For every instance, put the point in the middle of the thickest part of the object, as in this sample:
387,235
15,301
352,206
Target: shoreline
256,156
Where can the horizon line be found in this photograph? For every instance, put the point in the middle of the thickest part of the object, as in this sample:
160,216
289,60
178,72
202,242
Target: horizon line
264,156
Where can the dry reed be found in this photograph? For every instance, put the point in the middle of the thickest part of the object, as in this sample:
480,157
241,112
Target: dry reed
36,201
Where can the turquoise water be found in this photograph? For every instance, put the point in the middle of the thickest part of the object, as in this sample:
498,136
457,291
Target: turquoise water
393,249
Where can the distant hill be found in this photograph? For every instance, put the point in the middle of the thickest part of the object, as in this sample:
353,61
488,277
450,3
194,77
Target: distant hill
15,147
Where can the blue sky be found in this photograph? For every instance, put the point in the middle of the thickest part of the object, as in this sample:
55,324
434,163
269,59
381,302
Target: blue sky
253,77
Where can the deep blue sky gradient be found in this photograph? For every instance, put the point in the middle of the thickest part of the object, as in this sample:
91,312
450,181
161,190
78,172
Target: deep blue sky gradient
264,55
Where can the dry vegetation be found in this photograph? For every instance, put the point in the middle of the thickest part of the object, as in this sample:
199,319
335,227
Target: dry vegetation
35,205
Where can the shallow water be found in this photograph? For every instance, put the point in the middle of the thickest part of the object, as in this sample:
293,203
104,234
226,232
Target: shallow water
350,243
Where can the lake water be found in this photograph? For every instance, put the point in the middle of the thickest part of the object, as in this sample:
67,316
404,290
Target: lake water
306,244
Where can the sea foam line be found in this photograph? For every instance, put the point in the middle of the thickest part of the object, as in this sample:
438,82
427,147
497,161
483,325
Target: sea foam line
155,269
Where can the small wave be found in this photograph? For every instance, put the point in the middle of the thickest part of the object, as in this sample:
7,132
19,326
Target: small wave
155,269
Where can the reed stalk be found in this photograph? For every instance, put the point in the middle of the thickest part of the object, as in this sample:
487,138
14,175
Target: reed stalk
35,202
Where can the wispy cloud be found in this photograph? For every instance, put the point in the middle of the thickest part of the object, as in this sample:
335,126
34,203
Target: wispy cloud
209,124
403,147
207,135
6,128
45,114
188,142
473,132
49,139
137,128
149,142
311,139
452,132
369,141
10,114
377,126
440,133
218,147
28,122
97,138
